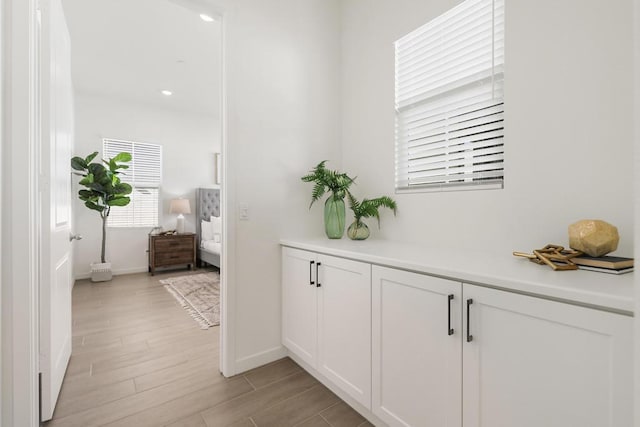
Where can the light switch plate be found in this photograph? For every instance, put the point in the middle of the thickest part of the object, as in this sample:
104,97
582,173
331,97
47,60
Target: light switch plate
244,212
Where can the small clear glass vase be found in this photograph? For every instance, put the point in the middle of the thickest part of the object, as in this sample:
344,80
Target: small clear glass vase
358,230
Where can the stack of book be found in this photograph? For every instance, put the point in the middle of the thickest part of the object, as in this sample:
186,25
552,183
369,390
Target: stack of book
605,264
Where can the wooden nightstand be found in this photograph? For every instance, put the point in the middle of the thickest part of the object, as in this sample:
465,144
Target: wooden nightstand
167,251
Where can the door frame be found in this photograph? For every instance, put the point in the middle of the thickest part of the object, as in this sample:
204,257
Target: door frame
636,194
20,177
227,199
224,14
19,183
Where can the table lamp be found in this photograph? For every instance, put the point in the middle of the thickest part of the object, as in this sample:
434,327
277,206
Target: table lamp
180,206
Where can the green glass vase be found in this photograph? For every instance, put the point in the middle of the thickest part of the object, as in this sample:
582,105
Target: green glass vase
358,231
334,214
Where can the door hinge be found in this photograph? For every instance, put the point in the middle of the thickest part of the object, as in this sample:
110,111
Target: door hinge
40,396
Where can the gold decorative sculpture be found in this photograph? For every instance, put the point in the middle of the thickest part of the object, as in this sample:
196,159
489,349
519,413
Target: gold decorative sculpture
593,237
556,257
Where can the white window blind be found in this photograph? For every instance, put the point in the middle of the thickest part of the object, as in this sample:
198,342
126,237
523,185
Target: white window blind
449,100
144,175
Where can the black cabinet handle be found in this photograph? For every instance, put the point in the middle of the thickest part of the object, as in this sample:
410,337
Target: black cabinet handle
469,336
449,328
311,282
318,277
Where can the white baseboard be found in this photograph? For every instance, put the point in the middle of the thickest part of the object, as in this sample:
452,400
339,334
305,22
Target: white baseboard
259,359
118,272
338,392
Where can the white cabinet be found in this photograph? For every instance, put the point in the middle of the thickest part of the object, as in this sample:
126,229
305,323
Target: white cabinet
417,349
344,325
515,360
533,362
327,318
299,304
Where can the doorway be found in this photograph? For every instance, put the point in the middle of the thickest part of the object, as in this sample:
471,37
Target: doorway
145,73
20,260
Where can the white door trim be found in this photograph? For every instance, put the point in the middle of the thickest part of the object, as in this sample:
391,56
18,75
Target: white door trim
636,194
228,274
19,220
3,246
228,364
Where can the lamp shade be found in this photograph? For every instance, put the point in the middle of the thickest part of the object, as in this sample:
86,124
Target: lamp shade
180,206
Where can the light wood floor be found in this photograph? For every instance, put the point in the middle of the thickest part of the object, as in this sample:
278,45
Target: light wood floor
140,360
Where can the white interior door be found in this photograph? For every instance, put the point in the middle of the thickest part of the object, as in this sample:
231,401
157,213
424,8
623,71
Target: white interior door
56,256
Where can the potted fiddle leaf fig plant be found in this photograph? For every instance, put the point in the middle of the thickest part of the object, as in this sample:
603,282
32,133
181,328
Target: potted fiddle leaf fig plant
337,184
103,191
358,230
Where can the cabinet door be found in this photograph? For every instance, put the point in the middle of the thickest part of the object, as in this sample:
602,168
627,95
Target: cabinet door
299,304
344,325
416,349
533,362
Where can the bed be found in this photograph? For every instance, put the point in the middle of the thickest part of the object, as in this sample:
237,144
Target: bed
208,205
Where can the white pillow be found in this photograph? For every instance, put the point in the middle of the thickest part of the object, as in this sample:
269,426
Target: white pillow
206,229
216,223
217,237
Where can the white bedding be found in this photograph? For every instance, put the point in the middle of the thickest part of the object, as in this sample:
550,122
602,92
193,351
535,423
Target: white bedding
211,246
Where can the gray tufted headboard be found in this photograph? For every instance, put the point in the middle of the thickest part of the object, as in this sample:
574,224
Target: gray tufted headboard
207,205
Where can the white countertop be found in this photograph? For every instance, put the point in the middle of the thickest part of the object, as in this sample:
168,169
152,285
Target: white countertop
600,290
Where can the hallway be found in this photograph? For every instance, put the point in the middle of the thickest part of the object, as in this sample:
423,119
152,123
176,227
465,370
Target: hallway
140,360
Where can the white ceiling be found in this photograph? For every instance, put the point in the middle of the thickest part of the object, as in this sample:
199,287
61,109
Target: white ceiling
133,49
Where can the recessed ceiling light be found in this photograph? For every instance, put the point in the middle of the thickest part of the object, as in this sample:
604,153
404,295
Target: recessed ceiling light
166,92
206,18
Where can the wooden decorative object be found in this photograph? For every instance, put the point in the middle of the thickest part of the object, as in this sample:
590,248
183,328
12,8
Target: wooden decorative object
555,256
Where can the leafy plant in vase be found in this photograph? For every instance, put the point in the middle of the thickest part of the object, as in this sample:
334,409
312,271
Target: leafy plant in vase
338,184
103,190
358,230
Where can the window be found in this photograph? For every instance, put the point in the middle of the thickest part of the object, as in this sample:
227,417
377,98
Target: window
144,175
449,101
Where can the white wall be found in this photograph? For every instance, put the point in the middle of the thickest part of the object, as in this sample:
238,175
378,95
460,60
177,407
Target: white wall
189,141
568,124
284,117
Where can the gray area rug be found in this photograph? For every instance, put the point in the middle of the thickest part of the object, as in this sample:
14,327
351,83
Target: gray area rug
199,294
